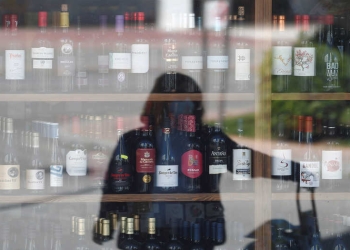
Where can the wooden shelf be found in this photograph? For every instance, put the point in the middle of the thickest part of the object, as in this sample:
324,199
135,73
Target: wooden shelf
310,96
128,198
123,97
307,196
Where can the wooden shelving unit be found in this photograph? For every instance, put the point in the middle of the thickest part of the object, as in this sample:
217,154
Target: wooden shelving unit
307,196
310,96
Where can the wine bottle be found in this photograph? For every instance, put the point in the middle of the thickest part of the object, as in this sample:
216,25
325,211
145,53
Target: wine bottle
82,60
298,152
281,59
66,54
42,54
14,59
105,236
120,59
167,166
120,175
310,166
340,44
35,171
151,242
216,162
196,238
122,234
281,160
191,161
5,32
81,243
304,58
130,242
145,160
174,243
56,162
10,171
76,159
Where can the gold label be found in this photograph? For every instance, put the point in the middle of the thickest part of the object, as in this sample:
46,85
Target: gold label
146,178
64,19
9,177
241,11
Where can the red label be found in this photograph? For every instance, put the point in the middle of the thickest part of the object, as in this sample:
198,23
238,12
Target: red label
192,164
145,160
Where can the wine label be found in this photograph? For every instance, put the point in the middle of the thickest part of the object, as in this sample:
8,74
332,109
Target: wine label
332,166
304,61
331,70
170,52
14,64
218,161
43,53
35,179
98,165
242,164
42,64
65,65
281,162
139,58
218,169
122,175
56,176
76,163
167,175
9,177
192,62
145,160
282,60
310,173
217,62
103,64
242,64
119,60
192,164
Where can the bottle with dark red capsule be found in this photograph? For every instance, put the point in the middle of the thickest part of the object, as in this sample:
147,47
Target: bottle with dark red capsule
191,160
145,160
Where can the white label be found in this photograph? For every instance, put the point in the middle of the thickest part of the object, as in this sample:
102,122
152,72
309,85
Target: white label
42,64
9,177
139,58
56,176
119,61
282,60
14,63
167,175
242,67
76,163
35,179
242,164
43,53
217,169
332,165
310,174
281,162
192,62
304,61
217,62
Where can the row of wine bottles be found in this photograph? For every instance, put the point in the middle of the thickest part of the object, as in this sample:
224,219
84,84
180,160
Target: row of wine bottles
148,159
119,61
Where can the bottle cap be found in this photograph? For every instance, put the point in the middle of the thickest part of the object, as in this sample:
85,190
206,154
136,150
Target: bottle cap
329,19
191,123
151,225
140,16
64,7
105,228
13,21
130,226
35,140
119,23
136,222
64,19
301,123
81,226
6,21
42,18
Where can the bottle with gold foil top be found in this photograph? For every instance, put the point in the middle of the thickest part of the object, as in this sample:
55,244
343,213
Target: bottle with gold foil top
122,234
81,238
113,217
152,242
130,242
65,55
9,162
137,232
105,232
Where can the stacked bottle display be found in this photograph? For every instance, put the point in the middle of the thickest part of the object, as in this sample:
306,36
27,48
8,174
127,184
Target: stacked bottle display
128,58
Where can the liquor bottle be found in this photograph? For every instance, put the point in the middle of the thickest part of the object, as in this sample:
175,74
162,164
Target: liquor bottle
56,162
98,157
167,165
120,59
65,54
42,54
130,242
113,225
35,171
216,158
81,243
137,232
76,159
281,160
151,242
331,59
243,78
10,172
196,238
174,243
217,61
241,162
82,60
145,160
140,56
122,234
191,160
332,160
102,82
304,58
298,152
310,166
14,59
281,60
